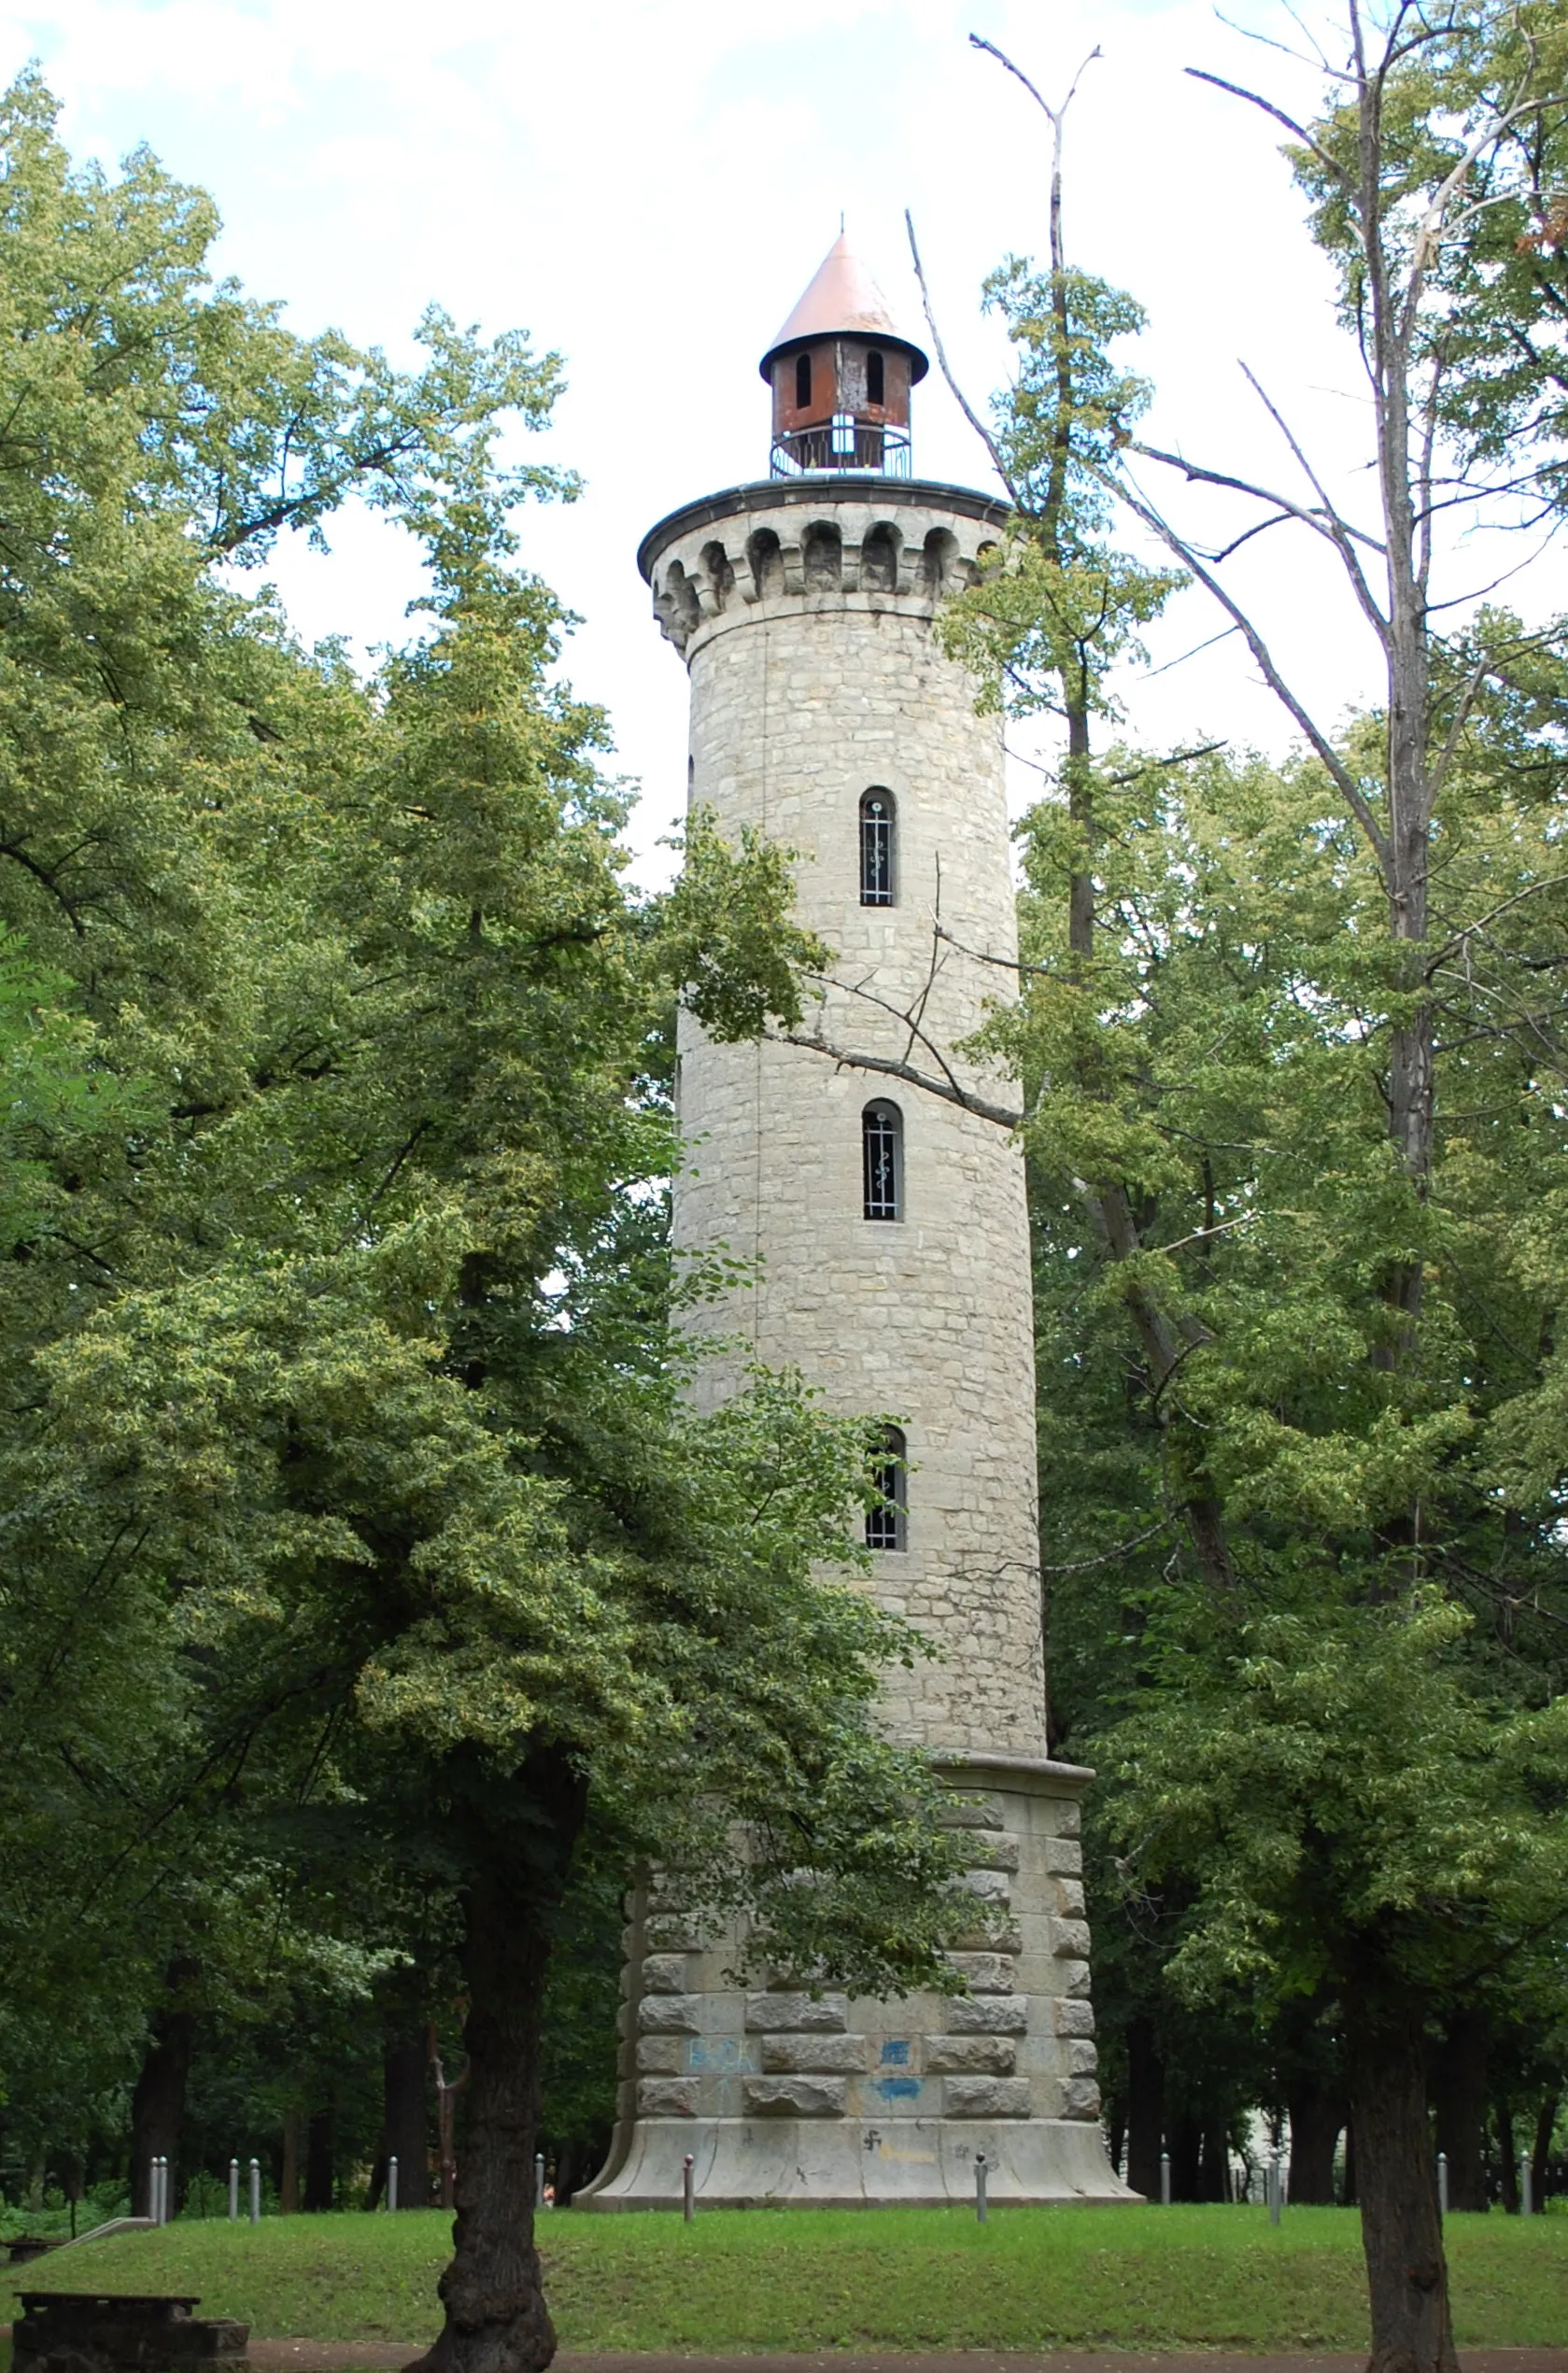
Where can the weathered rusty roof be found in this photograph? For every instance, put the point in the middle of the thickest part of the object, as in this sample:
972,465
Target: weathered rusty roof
844,296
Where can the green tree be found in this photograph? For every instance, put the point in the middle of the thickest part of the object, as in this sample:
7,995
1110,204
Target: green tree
1316,1283
1419,142
354,1498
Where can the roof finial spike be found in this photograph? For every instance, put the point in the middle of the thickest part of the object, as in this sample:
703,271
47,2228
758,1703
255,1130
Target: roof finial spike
840,223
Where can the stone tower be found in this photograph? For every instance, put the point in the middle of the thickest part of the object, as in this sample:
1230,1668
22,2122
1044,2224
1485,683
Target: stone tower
884,1235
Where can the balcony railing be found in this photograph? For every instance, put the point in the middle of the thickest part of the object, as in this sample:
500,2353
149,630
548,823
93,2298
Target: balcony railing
842,444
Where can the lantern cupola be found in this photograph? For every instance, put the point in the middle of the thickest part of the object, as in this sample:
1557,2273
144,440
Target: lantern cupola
840,370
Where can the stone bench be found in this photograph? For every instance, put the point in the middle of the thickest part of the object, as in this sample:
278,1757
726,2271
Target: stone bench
123,2332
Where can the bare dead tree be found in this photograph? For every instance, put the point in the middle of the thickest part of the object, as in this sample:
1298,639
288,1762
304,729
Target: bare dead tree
1388,571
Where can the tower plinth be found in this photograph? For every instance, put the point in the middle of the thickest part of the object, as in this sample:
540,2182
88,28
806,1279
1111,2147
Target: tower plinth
884,1241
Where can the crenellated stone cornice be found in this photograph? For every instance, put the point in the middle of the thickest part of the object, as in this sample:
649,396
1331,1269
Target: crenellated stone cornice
784,544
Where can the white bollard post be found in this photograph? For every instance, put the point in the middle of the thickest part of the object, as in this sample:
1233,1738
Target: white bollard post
981,2172
233,2191
1527,2206
689,2189
255,2190
391,2182
539,2179
1276,2188
1165,2178
154,2189
1442,2183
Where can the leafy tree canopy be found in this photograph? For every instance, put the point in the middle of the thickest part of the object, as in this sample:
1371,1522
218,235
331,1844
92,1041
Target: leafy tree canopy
355,1515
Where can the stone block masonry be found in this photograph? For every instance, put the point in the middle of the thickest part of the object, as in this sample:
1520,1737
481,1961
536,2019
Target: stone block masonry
780,2096
805,612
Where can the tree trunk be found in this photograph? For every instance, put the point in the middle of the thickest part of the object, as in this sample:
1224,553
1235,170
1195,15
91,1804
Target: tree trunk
289,2174
158,2103
1145,2108
1185,2144
1459,2098
319,2158
445,2119
1351,2194
1116,2126
497,2321
1509,2170
1545,2121
1214,2166
407,2136
1315,2113
1396,2176
575,2161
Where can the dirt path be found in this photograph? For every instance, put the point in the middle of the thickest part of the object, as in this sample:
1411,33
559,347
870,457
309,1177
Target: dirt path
368,2356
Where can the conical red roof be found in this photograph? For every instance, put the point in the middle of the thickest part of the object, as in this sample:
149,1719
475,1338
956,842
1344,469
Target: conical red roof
844,296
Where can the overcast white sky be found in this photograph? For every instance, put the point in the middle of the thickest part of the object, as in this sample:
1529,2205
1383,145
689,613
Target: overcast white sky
646,185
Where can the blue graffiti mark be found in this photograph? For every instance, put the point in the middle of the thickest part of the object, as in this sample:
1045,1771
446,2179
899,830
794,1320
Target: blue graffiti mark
722,2051
896,2088
895,2055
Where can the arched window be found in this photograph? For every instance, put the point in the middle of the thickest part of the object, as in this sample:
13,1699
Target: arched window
886,1522
875,378
876,848
881,1139
802,381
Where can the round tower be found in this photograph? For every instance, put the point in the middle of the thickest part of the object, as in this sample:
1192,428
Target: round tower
882,1239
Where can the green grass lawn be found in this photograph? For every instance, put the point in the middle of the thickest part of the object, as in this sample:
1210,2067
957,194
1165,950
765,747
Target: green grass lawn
893,2278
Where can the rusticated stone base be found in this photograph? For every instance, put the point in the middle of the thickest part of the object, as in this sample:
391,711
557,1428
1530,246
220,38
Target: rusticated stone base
780,2096
847,2164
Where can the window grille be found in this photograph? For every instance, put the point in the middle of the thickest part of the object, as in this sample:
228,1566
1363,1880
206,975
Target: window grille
876,849
843,440
881,1132
886,1522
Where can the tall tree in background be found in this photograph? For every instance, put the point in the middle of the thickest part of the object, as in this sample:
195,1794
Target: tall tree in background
1438,143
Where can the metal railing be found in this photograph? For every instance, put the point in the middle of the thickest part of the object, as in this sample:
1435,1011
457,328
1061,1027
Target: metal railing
842,443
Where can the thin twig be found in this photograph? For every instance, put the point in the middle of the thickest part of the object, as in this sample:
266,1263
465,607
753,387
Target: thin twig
962,401
1348,789
1299,131
1122,1549
1340,529
1197,472
1550,882
1201,1236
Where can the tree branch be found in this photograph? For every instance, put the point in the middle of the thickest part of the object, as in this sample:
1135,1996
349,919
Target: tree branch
1472,930
962,401
1122,1549
1340,531
1237,90
949,1092
1345,782
1195,471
